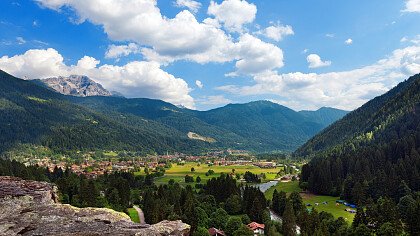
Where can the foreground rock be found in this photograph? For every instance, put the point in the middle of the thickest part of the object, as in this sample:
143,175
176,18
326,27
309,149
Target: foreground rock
31,208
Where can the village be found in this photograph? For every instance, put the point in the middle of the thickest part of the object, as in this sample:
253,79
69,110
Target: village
91,166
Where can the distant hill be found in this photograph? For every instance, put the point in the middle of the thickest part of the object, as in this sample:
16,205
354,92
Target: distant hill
36,114
325,115
75,85
372,152
260,126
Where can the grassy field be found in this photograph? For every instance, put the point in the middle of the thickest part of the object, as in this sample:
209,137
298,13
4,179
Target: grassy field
178,172
336,211
287,187
133,215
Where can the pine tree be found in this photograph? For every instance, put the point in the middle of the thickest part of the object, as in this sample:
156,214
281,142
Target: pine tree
289,222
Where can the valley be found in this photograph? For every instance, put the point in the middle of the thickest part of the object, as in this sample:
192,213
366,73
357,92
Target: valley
140,155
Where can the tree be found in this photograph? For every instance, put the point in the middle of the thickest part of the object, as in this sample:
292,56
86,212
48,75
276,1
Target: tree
289,222
192,169
362,230
388,229
201,217
243,231
198,179
297,202
201,231
189,179
233,224
233,204
219,218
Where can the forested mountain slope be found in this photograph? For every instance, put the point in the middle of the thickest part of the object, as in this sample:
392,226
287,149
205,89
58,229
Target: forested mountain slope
260,126
325,115
368,122
371,151
33,114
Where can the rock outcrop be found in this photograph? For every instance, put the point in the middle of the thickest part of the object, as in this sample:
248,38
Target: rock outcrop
76,85
31,208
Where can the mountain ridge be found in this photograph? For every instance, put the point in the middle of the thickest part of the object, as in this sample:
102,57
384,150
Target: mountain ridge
259,126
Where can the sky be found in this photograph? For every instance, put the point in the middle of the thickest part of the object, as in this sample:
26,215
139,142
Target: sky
204,54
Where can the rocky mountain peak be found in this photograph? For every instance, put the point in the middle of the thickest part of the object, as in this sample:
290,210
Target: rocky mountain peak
76,85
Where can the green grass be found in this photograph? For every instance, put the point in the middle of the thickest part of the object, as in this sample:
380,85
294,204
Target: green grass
133,215
288,187
178,172
336,211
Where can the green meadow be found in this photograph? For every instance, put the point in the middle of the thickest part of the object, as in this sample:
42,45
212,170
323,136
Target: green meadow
178,172
331,207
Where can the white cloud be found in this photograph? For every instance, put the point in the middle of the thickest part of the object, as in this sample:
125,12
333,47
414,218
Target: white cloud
20,40
348,41
315,61
199,84
346,89
233,13
117,51
134,79
180,38
193,6
255,56
277,32
412,6
329,35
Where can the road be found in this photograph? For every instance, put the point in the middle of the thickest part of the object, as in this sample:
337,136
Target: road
141,214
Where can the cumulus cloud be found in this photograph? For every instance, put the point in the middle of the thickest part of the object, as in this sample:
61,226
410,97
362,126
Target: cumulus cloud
233,14
277,32
180,38
117,51
315,61
255,56
193,6
134,79
199,84
346,89
412,6
348,41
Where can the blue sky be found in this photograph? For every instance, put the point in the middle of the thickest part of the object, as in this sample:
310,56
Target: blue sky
205,54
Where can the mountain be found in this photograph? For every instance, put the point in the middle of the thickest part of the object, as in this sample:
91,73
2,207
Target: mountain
372,152
37,115
75,85
32,114
325,115
369,121
260,126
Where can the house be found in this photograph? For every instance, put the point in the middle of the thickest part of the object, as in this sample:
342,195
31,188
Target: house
258,229
216,232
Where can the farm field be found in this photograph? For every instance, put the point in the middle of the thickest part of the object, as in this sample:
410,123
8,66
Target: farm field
178,172
336,211
133,215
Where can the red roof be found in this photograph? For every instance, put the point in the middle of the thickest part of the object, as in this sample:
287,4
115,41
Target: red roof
255,225
213,231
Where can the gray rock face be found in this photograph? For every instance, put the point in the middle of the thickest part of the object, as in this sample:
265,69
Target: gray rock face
31,208
76,85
